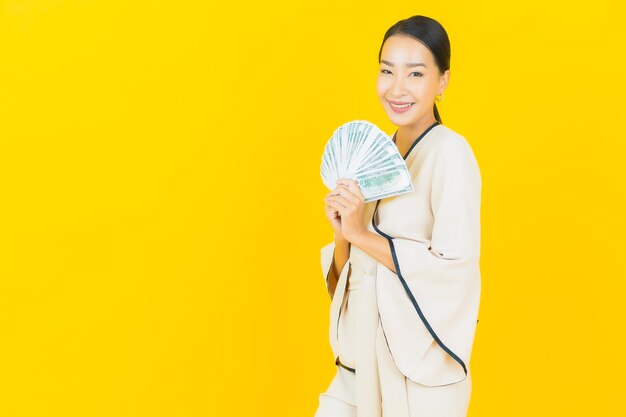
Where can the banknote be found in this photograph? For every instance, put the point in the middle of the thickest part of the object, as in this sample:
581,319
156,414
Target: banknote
362,151
384,183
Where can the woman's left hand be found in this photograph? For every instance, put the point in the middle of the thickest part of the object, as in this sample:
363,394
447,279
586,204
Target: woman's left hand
348,200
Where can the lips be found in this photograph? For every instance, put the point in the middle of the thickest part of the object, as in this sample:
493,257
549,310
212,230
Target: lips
400,105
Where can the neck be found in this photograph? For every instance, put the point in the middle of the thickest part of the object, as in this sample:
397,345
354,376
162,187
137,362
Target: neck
406,134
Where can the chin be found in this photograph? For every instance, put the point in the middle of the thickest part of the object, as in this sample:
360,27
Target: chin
400,120
405,119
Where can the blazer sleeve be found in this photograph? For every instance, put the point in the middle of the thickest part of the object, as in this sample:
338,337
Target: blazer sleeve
429,306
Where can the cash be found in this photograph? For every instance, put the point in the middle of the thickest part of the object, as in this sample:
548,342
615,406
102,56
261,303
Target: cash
361,151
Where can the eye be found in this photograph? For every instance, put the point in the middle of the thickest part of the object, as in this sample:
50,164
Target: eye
419,74
383,71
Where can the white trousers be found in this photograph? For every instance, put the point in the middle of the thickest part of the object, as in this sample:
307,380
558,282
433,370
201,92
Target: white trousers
381,389
444,401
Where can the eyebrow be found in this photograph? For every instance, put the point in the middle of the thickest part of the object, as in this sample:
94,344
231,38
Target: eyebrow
413,64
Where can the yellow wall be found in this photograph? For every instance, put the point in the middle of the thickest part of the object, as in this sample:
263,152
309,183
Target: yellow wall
162,215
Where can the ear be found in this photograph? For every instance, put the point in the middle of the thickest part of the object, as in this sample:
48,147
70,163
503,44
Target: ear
443,81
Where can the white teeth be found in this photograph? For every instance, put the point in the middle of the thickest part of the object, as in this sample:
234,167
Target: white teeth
404,106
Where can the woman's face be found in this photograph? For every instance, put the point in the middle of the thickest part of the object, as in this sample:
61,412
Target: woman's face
408,81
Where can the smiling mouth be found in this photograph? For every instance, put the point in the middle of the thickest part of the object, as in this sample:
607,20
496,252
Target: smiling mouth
401,106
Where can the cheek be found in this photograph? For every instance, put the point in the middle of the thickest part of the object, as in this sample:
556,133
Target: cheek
382,85
423,90
431,87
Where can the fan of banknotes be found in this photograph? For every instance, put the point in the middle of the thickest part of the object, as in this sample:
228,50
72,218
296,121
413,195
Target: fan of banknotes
360,150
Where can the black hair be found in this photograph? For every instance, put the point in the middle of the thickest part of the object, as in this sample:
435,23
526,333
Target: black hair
429,32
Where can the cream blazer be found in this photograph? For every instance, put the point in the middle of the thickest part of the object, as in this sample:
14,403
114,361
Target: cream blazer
428,309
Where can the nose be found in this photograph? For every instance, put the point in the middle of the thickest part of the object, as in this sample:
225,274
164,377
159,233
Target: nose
397,88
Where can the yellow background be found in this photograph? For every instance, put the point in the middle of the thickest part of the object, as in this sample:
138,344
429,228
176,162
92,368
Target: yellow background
162,214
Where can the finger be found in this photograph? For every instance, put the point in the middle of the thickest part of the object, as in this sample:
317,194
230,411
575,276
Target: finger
331,197
345,192
343,182
338,207
354,188
343,201
338,199
331,210
348,182
352,185
338,187
337,190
